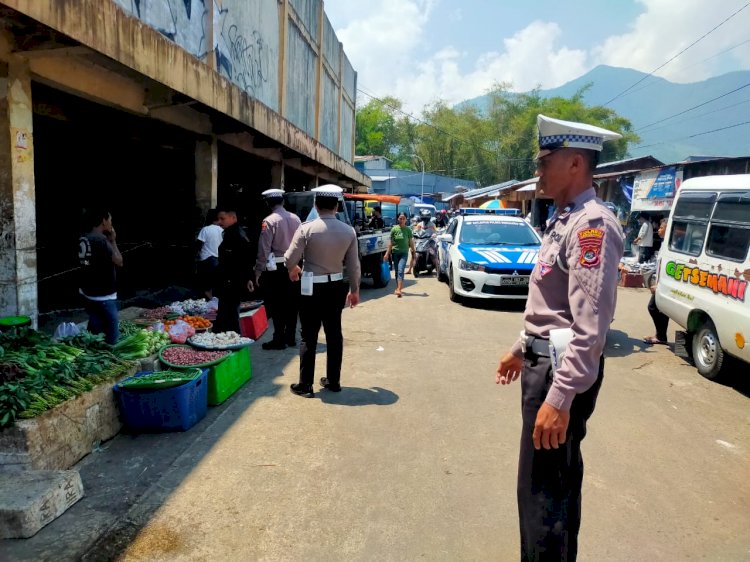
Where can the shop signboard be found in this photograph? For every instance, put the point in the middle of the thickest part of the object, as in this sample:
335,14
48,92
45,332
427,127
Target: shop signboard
654,190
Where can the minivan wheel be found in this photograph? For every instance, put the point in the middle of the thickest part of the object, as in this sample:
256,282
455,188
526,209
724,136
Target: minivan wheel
708,355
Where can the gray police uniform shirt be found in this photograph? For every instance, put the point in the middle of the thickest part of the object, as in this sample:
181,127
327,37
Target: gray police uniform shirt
328,245
276,234
574,285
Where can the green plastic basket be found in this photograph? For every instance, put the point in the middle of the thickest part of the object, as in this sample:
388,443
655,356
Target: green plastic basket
157,380
8,322
201,365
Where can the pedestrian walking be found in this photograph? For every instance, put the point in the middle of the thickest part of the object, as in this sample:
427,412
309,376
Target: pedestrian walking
271,272
99,257
573,286
234,272
399,244
661,320
209,239
328,246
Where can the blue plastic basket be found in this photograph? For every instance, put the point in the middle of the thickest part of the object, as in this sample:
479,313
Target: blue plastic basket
169,409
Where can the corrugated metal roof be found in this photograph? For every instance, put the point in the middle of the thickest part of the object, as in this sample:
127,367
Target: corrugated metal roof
489,191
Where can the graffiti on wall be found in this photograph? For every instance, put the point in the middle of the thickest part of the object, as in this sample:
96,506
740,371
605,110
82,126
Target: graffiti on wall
246,59
243,54
181,21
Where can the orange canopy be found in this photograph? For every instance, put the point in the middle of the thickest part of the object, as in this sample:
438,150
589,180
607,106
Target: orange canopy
395,199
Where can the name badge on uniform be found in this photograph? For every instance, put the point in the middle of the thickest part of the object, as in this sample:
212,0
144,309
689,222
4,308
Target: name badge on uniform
306,286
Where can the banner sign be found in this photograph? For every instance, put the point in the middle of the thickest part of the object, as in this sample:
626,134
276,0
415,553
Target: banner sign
655,190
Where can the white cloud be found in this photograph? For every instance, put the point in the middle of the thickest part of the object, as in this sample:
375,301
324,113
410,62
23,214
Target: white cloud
386,42
667,27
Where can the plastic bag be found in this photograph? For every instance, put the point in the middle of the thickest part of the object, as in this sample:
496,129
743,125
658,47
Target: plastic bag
385,272
66,330
212,305
180,331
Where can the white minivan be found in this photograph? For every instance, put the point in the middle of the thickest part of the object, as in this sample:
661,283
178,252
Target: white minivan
704,270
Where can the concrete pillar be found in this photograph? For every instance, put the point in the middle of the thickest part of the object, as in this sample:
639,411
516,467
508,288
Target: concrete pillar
277,175
18,266
206,174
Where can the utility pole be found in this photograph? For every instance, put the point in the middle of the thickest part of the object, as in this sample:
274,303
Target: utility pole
421,195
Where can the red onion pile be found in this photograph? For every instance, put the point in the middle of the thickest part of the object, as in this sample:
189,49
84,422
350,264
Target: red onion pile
186,356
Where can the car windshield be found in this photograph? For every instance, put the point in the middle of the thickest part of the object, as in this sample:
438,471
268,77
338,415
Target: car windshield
498,233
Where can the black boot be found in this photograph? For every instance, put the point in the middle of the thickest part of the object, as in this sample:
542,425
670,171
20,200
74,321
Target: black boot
301,390
328,386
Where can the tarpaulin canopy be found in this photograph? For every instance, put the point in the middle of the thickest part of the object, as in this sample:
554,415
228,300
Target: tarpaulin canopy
395,199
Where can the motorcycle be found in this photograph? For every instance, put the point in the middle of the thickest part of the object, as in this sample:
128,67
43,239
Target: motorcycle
427,252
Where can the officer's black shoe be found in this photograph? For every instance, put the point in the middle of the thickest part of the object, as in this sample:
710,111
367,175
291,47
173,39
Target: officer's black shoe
328,386
301,390
274,345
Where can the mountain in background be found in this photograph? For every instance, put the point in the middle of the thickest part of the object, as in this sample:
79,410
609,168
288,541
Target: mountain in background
655,99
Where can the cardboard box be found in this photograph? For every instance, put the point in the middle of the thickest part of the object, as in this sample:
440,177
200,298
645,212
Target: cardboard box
254,323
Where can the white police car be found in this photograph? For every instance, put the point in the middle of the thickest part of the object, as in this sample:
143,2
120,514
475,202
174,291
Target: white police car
488,254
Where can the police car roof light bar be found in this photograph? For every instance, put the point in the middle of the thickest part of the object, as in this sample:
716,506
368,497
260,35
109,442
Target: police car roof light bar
478,211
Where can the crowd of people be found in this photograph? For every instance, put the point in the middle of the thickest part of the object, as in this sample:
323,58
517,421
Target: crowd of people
572,296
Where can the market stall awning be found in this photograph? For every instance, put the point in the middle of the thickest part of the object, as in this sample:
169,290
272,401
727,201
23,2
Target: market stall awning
395,199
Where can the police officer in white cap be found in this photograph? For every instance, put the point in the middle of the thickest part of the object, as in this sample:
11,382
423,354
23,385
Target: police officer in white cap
271,271
573,288
328,245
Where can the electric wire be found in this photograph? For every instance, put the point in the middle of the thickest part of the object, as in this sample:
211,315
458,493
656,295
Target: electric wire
677,55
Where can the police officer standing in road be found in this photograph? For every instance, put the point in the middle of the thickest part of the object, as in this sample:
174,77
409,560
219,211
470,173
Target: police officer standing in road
282,294
573,286
328,245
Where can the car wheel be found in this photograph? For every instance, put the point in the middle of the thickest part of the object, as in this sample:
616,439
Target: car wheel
441,276
451,292
708,355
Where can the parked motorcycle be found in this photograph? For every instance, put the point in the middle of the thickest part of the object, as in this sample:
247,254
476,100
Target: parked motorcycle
427,252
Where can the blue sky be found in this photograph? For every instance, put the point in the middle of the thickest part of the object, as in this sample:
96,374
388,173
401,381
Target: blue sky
424,50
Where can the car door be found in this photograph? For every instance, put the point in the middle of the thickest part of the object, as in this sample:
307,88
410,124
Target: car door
445,246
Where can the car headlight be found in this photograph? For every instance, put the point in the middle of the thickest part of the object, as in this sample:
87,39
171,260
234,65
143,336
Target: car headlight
468,266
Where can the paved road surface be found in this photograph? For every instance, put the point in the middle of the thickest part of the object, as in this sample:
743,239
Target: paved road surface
416,458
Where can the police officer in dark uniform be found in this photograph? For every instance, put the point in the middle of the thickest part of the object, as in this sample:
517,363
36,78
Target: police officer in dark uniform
328,245
281,294
571,304
234,274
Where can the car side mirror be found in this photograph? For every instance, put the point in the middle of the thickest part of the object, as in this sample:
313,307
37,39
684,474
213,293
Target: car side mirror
446,238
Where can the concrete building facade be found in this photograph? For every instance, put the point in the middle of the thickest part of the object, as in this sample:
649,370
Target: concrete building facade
160,110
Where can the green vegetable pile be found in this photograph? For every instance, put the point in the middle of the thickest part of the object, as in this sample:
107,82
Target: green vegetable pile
140,343
37,373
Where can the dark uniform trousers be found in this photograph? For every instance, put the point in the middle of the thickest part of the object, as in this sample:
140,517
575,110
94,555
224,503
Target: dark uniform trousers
324,307
282,303
661,321
228,314
549,481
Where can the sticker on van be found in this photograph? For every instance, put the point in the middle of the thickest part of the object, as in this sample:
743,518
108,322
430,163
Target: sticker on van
718,283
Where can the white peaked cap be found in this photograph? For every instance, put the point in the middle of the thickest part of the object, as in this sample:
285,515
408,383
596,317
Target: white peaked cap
556,133
271,193
328,190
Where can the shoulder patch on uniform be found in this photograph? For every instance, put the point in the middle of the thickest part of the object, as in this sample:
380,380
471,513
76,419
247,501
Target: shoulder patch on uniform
263,226
590,240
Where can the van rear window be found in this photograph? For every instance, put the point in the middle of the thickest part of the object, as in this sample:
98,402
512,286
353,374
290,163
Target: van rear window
687,237
733,207
694,205
731,242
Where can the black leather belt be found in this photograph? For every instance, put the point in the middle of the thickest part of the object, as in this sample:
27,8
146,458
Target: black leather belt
538,347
